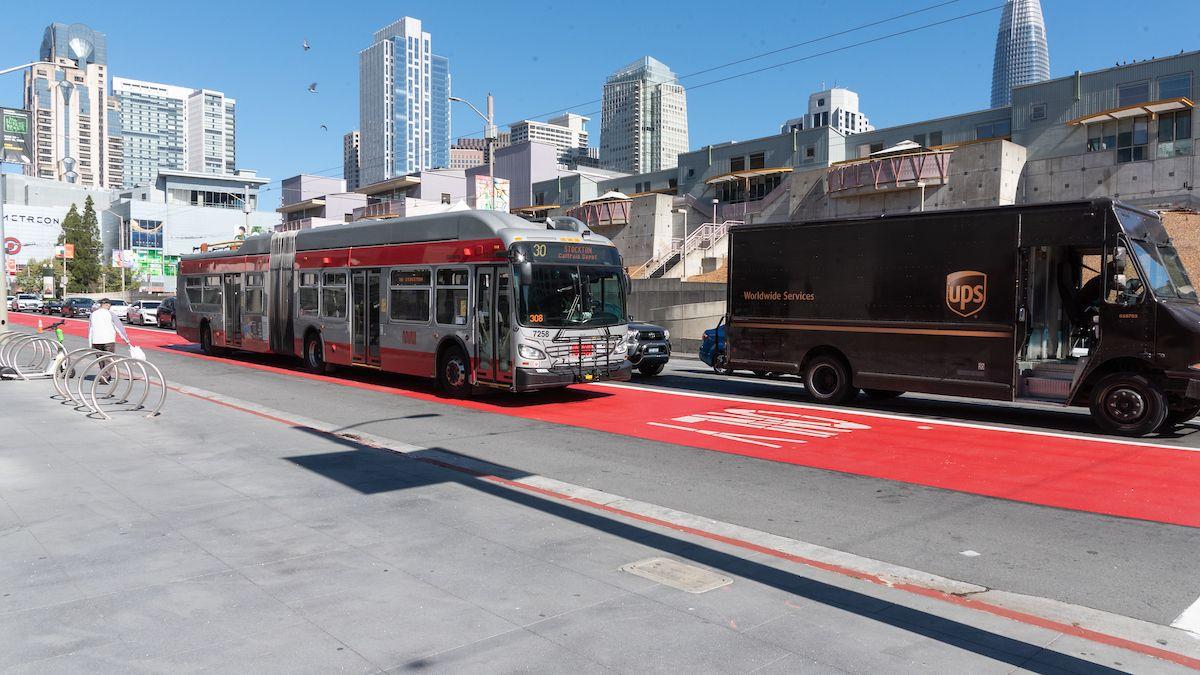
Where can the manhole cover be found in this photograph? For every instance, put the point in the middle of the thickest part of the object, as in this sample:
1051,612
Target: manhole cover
677,575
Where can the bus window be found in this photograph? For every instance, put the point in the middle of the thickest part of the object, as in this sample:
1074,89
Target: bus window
410,295
211,295
253,297
333,295
309,293
452,296
195,290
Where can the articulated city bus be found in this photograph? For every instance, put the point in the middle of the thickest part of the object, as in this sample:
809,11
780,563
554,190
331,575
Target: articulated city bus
471,298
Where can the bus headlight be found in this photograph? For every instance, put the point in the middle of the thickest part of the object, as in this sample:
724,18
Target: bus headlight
528,352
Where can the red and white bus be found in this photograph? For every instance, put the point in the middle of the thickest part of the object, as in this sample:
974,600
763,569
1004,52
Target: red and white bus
471,298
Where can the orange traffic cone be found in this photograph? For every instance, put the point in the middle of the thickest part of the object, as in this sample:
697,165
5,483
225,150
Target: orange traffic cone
39,325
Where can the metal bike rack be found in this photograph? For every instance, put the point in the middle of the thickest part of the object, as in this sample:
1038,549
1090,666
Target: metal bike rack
119,376
28,357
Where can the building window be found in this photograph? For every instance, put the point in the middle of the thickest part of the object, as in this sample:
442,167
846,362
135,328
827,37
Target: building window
452,297
410,295
1132,136
919,139
758,160
737,164
1175,86
1133,92
1037,112
935,139
875,147
996,129
333,295
1175,134
1102,136
810,151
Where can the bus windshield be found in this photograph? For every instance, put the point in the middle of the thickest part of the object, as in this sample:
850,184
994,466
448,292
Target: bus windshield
569,296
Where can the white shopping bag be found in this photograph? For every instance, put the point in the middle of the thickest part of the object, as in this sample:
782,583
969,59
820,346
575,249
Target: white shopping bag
137,353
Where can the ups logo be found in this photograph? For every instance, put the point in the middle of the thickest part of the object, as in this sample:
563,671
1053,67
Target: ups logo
966,292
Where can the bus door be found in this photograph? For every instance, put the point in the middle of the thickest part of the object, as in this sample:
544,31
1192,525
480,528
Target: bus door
493,324
364,316
233,309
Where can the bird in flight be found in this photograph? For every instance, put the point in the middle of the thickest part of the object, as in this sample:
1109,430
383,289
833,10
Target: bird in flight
305,45
325,127
312,88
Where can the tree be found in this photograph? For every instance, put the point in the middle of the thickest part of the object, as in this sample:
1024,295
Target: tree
30,280
112,278
83,271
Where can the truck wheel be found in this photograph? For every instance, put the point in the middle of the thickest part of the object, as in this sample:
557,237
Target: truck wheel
1179,415
651,369
882,394
454,373
827,379
1128,404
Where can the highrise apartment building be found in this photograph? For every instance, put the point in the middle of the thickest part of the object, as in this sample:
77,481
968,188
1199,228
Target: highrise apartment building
70,107
565,132
1022,54
351,160
836,108
643,124
211,140
161,130
403,108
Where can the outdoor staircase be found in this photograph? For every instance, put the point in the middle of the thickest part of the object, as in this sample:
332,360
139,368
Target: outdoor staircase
707,237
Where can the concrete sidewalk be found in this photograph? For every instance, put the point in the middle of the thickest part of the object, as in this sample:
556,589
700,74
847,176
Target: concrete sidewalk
214,538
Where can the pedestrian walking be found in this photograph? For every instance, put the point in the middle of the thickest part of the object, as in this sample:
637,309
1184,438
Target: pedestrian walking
103,329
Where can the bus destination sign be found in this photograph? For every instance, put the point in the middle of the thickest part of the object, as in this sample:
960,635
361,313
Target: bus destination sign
562,252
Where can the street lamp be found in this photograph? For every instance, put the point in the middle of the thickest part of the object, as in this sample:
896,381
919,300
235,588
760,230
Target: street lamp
3,185
685,240
490,136
715,202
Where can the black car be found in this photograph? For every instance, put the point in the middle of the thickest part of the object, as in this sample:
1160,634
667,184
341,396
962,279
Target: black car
649,347
52,307
79,308
166,313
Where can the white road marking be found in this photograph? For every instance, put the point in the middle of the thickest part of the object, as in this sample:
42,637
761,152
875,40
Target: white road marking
891,416
969,553
1189,620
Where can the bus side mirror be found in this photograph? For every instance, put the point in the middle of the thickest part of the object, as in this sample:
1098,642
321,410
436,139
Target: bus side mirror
525,270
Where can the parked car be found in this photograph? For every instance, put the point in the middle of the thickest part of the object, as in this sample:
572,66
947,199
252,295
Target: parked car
166,313
52,306
79,308
712,348
121,309
144,312
27,302
649,347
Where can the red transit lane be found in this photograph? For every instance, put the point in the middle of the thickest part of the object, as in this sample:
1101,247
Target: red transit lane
1127,479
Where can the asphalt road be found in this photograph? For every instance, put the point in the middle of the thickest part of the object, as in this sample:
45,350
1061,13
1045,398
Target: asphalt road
1131,567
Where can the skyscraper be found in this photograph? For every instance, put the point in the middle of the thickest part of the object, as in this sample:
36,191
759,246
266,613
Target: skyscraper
403,107
174,128
643,123
351,160
1022,55
565,132
69,102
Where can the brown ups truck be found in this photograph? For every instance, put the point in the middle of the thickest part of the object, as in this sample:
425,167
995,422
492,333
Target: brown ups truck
1081,303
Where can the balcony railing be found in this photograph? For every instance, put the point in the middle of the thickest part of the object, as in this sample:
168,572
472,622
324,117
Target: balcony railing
897,172
392,208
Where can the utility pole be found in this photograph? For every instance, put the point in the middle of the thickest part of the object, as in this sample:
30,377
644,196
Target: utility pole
3,252
490,137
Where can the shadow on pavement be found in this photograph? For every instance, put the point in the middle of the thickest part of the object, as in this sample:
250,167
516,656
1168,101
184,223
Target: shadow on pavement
371,470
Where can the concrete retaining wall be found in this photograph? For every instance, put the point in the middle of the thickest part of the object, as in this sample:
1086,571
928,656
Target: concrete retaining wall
686,308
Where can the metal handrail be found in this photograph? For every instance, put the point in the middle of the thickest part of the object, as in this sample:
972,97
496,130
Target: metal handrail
702,238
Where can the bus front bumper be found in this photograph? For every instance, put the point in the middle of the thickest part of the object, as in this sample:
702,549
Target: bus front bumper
531,379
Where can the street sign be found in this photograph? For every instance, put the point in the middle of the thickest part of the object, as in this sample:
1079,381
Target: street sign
17,136
67,251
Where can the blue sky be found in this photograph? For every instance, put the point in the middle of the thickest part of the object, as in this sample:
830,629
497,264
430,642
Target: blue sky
542,56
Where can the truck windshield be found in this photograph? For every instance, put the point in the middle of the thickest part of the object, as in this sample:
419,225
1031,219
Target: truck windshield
568,296
1164,270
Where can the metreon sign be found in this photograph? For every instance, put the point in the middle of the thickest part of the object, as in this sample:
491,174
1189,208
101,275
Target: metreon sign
31,232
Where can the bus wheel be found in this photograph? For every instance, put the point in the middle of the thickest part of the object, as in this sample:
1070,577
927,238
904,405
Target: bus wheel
206,342
881,394
314,354
1128,404
454,373
827,379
